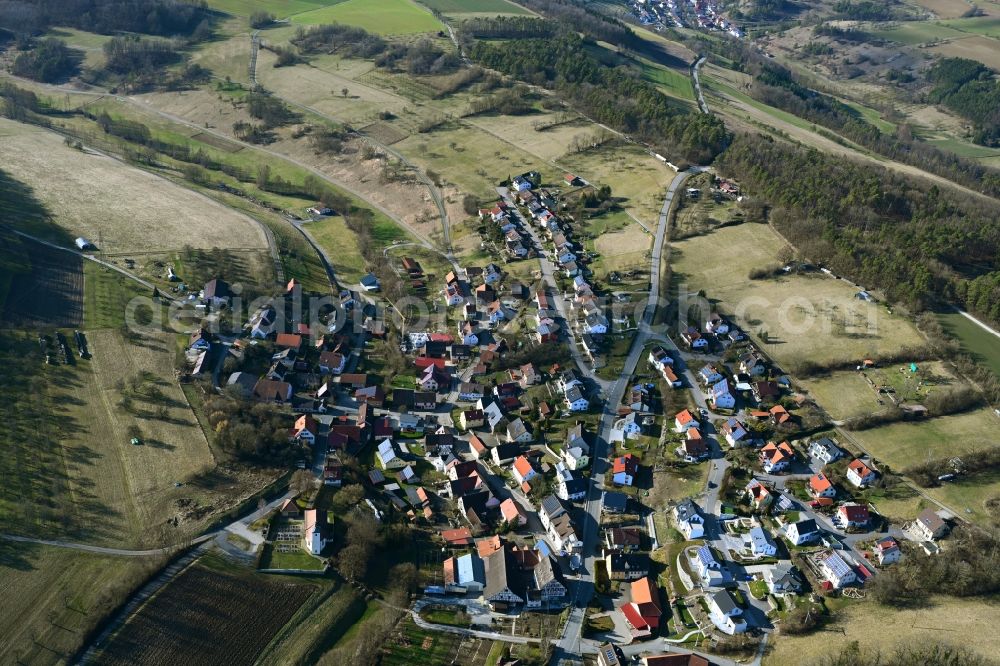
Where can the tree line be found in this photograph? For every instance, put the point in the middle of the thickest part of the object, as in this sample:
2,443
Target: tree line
420,57
49,61
615,96
920,244
165,18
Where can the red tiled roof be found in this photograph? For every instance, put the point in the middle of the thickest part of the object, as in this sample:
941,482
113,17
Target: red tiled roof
288,340
460,537
684,417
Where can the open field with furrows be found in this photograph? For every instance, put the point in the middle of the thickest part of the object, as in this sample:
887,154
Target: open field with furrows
963,622
806,317
104,200
901,445
846,394
185,622
979,343
383,17
635,177
53,597
484,7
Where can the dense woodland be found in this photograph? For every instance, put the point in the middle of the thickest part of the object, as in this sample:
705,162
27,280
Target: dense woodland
615,96
164,18
49,61
921,244
971,90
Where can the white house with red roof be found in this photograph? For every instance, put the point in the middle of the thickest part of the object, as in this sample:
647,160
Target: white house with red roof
512,512
685,420
821,486
860,474
522,470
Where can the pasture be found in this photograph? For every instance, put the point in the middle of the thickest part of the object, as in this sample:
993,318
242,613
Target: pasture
382,17
912,33
54,597
901,445
548,144
486,7
976,47
964,622
183,622
846,394
635,177
945,9
70,468
980,344
623,250
125,209
807,317
988,26
279,8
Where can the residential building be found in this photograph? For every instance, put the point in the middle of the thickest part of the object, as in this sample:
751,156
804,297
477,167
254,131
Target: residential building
387,456
622,539
570,485
505,453
624,470
930,525
759,543
725,613
575,401
471,418
825,450
644,611
782,578
759,495
689,520
776,457
628,427
522,470
614,502
860,474
853,515
734,431
626,566
802,531
610,654
685,420
720,397
709,569
709,375
821,486
835,570
512,513
305,429
517,431
470,391
887,551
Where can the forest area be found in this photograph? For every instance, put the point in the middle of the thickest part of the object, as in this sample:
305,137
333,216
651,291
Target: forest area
921,244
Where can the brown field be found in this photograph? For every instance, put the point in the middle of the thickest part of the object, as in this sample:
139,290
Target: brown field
975,47
50,295
945,8
964,622
185,622
807,317
624,250
53,597
127,209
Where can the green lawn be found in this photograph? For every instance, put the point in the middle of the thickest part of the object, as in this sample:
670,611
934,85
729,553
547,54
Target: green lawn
965,149
872,116
105,296
918,32
670,81
341,246
475,7
980,25
384,17
758,589
279,8
982,345
272,559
